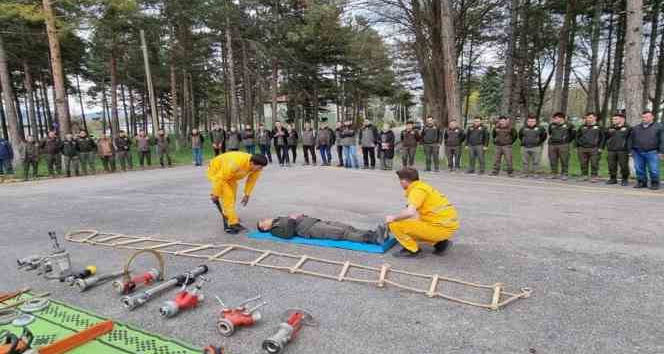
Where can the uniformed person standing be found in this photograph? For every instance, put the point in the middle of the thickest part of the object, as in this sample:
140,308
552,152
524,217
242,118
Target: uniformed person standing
217,135
504,136
106,152
477,141
561,134
325,140
368,140
280,136
309,144
248,139
409,139
429,217
454,138
264,138
233,140
30,158
70,153
88,151
52,146
163,148
292,138
617,138
123,148
387,143
224,173
432,138
143,144
590,141
532,138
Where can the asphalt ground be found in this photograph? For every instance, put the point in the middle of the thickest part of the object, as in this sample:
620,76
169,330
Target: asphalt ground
592,255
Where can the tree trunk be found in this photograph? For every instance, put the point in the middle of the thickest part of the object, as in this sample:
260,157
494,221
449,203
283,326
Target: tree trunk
3,117
29,93
633,65
648,70
124,106
568,66
149,87
659,83
274,90
450,67
19,116
592,104
185,105
115,119
40,120
61,103
563,40
607,72
175,114
235,118
8,98
619,54
508,85
247,84
132,111
103,108
80,101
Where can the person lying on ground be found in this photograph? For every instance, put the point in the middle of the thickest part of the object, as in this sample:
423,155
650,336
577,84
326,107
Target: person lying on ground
306,226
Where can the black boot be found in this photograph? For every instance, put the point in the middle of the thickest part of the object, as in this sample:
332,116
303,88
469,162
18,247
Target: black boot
404,253
612,180
654,185
440,247
641,184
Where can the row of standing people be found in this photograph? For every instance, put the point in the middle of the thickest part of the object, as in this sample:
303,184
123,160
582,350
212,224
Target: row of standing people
77,154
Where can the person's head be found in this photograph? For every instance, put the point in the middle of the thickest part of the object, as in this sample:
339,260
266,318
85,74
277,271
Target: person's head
407,176
409,125
307,125
647,117
618,119
386,127
477,121
30,139
590,118
141,133
367,122
531,121
257,162
51,134
453,124
348,122
82,134
503,121
69,136
161,132
194,131
339,124
265,225
429,120
558,117
277,124
261,126
123,133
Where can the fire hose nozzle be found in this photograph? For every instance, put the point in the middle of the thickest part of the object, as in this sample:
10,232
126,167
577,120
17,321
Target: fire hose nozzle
88,272
287,331
87,283
127,287
131,302
229,322
169,309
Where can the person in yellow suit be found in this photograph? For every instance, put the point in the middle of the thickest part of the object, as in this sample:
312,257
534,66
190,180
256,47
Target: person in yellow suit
225,171
429,217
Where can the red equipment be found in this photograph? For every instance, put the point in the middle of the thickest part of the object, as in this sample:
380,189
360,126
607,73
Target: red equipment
125,287
288,330
184,299
213,350
232,318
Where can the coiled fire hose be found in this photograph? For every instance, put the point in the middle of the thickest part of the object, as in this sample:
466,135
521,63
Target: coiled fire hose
128,283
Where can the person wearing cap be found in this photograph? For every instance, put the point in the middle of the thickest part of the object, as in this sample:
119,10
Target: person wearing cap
454,138
409,139
561,134
324,140
309,144
224,173
646,143
617,138
368,140
432,138
532,138
590,140
429,217
504,136
477,142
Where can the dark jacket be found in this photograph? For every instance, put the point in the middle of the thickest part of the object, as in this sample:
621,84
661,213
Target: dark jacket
263,137
122,143
293,137
410,138
31,152
143,143
248,137
532,137
325,137
70,148
309,137
369,136
431,135
561,134
477,136
280,136
387,142
233,140
286,227
217,136
52,146
347,136
647,138
337,136
454,137
617,138
86,144
197,141
590,136
504,136
6,150
163,144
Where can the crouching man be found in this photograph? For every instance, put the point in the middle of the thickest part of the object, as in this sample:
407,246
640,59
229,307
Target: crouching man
306,226
429,217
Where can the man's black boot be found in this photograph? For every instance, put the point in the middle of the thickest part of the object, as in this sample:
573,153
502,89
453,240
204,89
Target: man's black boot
404,253
612,180
641,184
654,185
440,247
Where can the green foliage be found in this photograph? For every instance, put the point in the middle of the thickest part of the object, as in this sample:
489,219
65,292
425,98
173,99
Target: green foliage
491,91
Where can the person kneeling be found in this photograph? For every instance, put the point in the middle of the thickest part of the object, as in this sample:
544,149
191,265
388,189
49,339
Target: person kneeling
308,227
437,221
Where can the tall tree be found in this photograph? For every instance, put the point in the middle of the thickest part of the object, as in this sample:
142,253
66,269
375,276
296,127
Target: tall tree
633,61
61,101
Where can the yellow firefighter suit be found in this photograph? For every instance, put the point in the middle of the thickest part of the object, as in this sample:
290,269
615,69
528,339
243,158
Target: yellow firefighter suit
438,219
224,173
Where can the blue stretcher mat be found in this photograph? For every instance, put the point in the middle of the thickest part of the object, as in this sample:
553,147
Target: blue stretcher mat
349,245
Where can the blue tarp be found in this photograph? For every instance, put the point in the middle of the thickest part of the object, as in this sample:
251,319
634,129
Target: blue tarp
349,245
